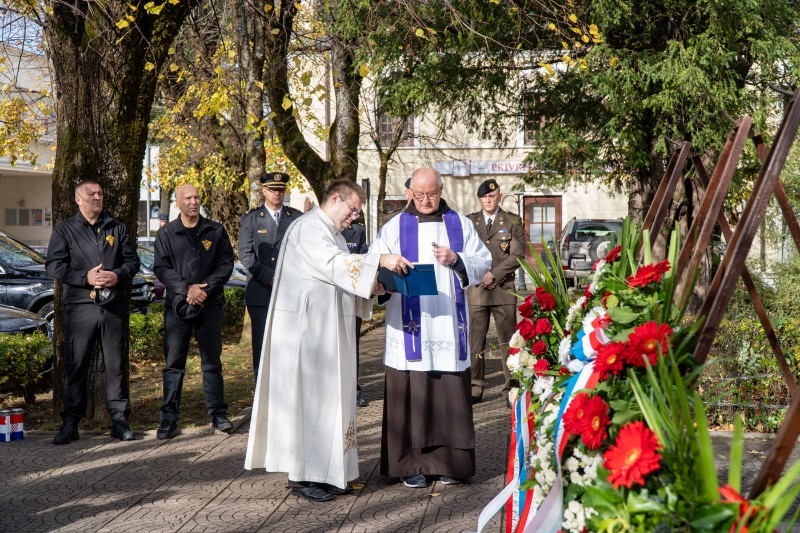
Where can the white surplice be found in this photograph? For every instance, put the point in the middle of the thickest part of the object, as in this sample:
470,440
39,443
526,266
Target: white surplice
304,412
439,333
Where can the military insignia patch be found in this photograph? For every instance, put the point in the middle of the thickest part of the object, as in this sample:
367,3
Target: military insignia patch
110,240
206,244
504,246
492,186
263,231
92,295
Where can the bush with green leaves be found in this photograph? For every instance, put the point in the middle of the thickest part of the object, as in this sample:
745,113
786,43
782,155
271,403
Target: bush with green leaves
23,358
146,334
233,311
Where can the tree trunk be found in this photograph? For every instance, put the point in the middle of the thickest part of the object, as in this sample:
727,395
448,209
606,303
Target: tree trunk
104,93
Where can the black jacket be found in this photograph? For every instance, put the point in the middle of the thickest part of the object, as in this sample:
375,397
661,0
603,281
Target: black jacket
259,246
180,262
76,247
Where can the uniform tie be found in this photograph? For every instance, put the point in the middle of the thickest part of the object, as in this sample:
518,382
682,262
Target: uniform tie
489,224
277,216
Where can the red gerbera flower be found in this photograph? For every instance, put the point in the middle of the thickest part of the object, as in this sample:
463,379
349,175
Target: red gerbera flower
613,255
632,456
563,371
526,309
645,341
731,495
538,348
513,351
573,419
609,360
545,299
541,367
648,274
526,329
543,326
596,420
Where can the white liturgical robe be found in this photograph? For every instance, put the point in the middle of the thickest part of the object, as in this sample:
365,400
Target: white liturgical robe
304,411
439,333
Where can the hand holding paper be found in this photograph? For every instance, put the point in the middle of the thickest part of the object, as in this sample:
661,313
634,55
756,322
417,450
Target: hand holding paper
396,263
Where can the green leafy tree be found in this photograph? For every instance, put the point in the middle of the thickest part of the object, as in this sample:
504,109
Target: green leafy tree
678,69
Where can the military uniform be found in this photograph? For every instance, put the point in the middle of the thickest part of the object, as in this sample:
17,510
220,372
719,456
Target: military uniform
183,257
506,242
259,245
91,314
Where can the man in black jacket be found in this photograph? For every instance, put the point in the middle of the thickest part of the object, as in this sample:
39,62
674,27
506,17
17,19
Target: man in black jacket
262,231
95,261
194,260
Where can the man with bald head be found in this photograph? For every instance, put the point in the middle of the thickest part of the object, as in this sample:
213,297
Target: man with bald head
427,412
194,260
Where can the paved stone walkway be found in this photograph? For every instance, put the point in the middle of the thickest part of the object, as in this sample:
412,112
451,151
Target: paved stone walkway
196,481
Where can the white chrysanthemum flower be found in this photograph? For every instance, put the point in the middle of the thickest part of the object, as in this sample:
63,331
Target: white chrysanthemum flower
517,341
563,350
512,362
593,287
571,464
576,479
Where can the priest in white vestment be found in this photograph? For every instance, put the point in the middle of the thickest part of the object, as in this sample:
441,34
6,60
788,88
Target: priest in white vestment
427,416
304,412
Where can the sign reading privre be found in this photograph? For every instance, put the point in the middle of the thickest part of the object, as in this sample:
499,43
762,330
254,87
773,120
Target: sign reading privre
456,168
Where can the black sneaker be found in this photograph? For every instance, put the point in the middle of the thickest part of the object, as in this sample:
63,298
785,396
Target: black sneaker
360,400
167,429
447,480
67,433
121,430
221,423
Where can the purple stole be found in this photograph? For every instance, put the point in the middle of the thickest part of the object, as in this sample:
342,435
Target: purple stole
409,248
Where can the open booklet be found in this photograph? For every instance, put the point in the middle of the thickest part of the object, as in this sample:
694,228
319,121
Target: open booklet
420,281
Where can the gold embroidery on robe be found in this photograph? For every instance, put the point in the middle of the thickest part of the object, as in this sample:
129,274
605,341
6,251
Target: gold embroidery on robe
350,437
354,264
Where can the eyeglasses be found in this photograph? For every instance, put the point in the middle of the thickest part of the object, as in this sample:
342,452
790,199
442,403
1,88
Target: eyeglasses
353,211
419,196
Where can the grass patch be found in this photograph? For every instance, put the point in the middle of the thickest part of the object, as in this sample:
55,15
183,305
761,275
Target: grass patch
146,392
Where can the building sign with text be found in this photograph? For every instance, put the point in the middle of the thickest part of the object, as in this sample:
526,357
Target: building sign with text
464,167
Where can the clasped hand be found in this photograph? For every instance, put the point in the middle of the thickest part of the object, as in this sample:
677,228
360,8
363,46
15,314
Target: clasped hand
101,279
197,295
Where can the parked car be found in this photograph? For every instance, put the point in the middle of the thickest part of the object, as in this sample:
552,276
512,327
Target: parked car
147,258
25,284
583,242
15,320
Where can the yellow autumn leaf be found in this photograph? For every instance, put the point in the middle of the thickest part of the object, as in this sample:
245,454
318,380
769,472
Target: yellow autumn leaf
174,2
48,10
171,50
173,67
585,38
564,44
549,69
566,59
149,66
275,31
573,18
307,102
267,7
363,70
593,29
287,102
122,24
614,61
576,30
420,32
551,26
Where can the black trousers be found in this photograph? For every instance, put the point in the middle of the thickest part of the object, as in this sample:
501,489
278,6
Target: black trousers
84,325
258,322
207,328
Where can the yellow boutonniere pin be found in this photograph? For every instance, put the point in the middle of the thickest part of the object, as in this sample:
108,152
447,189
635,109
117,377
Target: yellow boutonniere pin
110,240
206,244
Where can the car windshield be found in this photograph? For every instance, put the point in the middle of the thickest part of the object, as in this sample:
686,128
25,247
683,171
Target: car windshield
18,255
146,257
587,232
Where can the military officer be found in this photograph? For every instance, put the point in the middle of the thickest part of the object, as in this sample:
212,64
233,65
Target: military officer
504,236
262,230
194,260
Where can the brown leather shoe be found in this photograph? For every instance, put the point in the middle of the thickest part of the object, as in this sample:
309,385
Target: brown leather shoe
312,492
